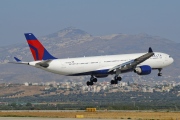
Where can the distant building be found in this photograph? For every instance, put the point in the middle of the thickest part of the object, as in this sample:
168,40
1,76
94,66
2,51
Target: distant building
35,84
122,84
144,89
26,84
104,87
98,88
47,88
84,88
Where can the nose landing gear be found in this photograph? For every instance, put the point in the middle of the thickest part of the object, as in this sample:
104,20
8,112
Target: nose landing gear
159,74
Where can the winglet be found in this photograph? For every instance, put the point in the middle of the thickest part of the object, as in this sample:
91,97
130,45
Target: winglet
17,60
150,50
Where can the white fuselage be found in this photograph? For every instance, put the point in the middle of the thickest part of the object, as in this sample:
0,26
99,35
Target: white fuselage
101,64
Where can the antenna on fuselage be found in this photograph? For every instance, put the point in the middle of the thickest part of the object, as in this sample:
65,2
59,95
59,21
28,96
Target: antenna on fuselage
150,50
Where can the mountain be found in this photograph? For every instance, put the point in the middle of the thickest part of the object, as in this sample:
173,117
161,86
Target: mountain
73,42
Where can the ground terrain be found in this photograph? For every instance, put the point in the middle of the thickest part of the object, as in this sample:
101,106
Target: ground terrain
138,115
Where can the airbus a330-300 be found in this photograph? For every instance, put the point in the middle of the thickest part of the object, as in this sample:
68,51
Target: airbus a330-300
96,66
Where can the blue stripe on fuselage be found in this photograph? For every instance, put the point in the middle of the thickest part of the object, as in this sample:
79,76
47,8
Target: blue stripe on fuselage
97,72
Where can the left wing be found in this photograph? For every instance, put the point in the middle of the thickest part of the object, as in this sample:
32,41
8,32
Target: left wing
44,63
132,63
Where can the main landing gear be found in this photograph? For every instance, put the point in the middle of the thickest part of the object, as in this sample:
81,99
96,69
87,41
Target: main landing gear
116,79
92,80
159,74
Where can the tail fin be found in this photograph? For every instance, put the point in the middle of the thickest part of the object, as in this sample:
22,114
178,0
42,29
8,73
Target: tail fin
37,49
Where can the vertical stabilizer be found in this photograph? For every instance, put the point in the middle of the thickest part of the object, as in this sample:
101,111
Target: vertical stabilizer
37,49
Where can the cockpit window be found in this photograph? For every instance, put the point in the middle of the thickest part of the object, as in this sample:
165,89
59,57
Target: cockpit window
169,56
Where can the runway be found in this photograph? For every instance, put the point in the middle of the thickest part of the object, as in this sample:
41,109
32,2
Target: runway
103,115
37,118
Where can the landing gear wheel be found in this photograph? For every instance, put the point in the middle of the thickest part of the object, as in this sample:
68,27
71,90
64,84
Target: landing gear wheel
89,83
114,82
94,80
119,78
159,74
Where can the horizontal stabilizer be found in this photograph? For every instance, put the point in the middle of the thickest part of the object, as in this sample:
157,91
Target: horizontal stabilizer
18,61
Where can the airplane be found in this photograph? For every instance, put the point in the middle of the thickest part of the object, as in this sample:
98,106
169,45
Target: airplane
96,66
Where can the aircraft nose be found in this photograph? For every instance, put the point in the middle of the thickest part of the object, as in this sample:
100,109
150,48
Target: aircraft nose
171,60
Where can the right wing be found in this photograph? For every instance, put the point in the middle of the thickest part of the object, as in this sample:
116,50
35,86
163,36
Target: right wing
132,63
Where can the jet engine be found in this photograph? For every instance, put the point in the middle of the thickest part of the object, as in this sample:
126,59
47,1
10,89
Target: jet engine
143,70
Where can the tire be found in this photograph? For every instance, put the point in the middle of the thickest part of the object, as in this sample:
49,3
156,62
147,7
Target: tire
91,83
159,74
88,83
112,82
115,81
95,80
119,78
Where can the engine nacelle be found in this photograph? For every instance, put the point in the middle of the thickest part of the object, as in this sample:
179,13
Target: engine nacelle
143,70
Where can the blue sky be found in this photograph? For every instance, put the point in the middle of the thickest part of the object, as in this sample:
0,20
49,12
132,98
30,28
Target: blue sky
97,17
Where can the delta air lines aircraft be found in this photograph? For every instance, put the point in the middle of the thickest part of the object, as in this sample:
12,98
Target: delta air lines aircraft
96,66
